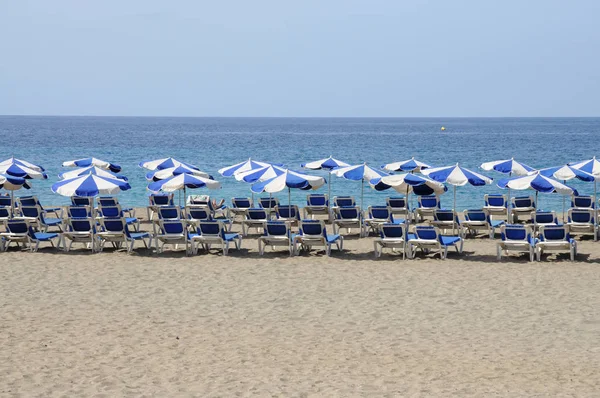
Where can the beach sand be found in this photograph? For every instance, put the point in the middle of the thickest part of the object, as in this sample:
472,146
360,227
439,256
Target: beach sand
113,324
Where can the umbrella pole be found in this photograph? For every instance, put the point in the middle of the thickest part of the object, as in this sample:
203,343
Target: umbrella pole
595,212
289,198
12,203
508,201
329,196
362,194
185,226
406,222
454,211
563,212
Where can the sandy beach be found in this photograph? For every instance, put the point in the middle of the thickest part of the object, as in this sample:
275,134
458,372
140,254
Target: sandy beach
112,324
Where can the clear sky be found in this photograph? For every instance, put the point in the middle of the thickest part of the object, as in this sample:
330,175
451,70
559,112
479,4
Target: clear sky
300,57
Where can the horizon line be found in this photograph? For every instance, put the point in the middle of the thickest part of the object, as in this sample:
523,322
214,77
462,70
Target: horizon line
302,117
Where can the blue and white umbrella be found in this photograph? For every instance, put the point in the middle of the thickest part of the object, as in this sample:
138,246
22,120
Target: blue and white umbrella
456,176
262,174
12,184
87,162
409,166
359,172
90,185
565,173
21,162
508,166
182,182
164,163
537,182
18,169
244,166
163,174
328,164
90,170
289,179
591,166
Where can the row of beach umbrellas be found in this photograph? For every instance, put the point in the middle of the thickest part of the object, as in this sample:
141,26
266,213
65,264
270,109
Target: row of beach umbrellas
94,177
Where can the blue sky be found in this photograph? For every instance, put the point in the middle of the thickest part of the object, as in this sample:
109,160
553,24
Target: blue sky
300,58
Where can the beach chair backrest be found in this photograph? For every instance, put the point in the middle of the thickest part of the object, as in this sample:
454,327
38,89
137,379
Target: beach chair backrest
429,202
444,215
584,216
583,202
515,232
31,211
347,213
380,212
344,201
81,201
108,201
268,203
198,213
80,224
27,201
161,200
317,200
17,227
523,201
172,227
288,212
544,217
115,225
475,215
169,213
277,228
4,211
426,232
211,228
5,201
396,203
110,211
554,233
256,214
495,200
312,228
241,203
392,231
78,212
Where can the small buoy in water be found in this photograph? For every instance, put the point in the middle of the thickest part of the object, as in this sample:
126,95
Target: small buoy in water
443,128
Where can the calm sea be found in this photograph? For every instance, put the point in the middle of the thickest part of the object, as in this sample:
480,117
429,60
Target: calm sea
212,143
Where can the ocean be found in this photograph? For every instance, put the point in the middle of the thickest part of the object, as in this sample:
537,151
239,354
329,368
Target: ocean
212,143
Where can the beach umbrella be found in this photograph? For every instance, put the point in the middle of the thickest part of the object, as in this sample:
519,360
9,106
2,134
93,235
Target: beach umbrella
591,166
164,163
182,182
408,166
326,164
11,183
261,174
407,184
359,172
566,173
289,179
90,185
21,162
244,166
537,182
90,170
456,176
163,174
19,168
510,167
87,162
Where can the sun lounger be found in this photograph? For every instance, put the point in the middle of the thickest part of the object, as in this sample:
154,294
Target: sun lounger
313,233
556,238
428,239
516,237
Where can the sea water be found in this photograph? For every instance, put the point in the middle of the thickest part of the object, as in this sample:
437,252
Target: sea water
212,143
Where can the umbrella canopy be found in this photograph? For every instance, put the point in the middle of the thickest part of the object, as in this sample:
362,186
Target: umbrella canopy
242,167
566,172
289,179
408,183
163,174
164,163
90,170
359,172
183,181
18,169
11,183
409,165
324,164
457,176
21,162
508,166
90,185
262,174
591,166
87,162
537,182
